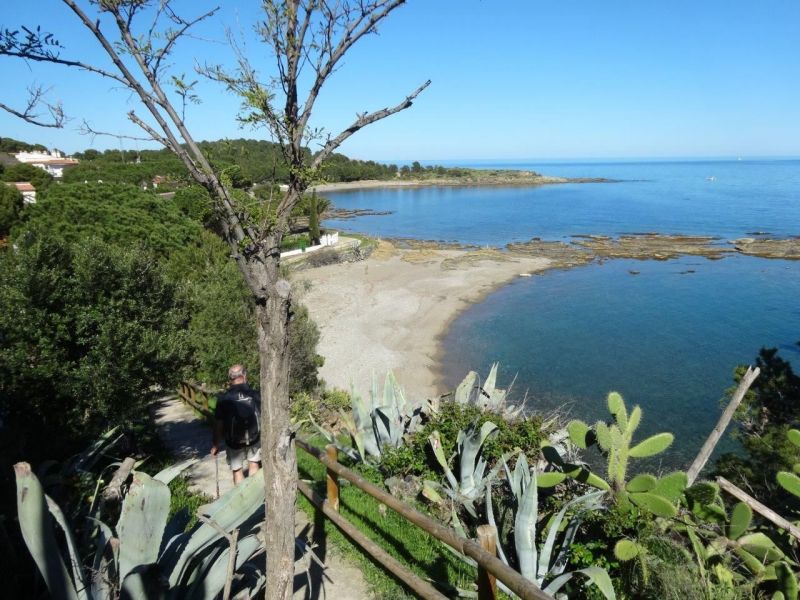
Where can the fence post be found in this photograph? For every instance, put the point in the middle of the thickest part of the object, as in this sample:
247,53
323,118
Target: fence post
333,479
487,584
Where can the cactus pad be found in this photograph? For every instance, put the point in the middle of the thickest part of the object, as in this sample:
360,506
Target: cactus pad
741,516
652,445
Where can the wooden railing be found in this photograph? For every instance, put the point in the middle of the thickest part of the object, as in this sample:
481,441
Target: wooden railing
197,397
483,552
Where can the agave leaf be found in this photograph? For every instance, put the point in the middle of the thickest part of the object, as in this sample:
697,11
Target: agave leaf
465,389
596,575
525,531
75,561
490,519
214,579
229,512
170,473
104,570
651,446
142,582
470,449
86,459
491,381
37,531
545,568
429,491
436,445
141,524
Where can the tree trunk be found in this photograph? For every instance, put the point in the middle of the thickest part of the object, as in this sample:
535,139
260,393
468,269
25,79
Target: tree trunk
277,441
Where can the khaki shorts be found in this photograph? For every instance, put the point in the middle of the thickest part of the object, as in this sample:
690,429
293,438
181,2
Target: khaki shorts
237,457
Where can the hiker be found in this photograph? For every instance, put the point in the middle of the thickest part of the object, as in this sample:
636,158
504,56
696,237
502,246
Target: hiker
237,421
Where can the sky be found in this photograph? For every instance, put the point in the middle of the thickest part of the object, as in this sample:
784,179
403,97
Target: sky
513,79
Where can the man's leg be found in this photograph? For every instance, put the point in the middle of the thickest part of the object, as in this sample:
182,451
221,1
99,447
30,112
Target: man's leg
236,458
252,468
253,459
238,476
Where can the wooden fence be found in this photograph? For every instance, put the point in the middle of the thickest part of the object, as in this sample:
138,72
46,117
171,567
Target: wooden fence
482,551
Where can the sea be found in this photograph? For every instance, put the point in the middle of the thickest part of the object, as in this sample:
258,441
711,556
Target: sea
666,334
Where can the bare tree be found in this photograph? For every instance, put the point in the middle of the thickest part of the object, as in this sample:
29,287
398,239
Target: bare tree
138,36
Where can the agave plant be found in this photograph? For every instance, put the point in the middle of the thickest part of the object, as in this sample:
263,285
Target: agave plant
486,396
546,564
384,421
472,478
144,555
655,495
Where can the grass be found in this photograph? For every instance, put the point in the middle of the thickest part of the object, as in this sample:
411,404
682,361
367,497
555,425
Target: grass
416,549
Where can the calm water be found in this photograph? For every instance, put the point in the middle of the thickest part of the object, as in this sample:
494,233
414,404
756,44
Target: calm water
668,338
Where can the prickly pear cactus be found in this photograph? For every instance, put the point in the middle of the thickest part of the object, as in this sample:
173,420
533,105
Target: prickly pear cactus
657,496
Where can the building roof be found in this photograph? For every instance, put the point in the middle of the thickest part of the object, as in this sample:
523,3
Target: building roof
23,186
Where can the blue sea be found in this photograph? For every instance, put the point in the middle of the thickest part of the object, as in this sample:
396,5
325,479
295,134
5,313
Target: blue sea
667,338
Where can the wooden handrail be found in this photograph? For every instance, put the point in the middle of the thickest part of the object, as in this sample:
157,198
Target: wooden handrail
524,588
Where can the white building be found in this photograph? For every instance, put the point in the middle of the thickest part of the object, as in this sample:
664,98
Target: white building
52,162
26,189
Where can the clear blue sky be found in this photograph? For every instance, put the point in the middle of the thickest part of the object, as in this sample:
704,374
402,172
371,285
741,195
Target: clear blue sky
511,80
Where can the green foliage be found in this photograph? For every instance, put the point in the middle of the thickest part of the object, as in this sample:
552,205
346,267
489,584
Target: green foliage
304,362
10,208
13,146
130,167
195,202
118,214
88,330
313,219
763,421
40,178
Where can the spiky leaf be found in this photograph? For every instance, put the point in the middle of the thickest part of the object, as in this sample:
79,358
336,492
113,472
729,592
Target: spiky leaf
672,486
603,433
790,482
644,482
525,530
661,507
550,479
761,546
753,564
578,432
786,580
741,516
466,387
652,445
141,522
634,419
37,531
584,475
626,550
794,436
616,406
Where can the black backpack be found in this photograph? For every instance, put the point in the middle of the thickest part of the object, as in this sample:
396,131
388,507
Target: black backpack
242,425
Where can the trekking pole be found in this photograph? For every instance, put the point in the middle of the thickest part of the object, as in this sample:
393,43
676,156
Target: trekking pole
216,472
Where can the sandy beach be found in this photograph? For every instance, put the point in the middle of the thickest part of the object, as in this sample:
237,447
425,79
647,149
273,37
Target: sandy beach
390,311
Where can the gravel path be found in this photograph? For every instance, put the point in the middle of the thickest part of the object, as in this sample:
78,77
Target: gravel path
185,435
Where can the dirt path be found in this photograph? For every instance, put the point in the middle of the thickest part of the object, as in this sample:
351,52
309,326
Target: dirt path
186,435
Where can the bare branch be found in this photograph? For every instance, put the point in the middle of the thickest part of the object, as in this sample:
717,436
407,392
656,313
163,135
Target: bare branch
362,121
35,99
87,129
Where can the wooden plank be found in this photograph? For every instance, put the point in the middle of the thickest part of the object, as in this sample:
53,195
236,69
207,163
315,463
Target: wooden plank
764,511
332,479
716,433
524,588
487,583
422,588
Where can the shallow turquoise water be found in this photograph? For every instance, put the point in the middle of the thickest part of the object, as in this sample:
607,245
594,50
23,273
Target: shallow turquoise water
668,338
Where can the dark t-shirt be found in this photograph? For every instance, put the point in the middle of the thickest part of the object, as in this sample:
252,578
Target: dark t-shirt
239,410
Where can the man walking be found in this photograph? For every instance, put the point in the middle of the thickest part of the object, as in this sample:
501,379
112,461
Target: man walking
237,421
